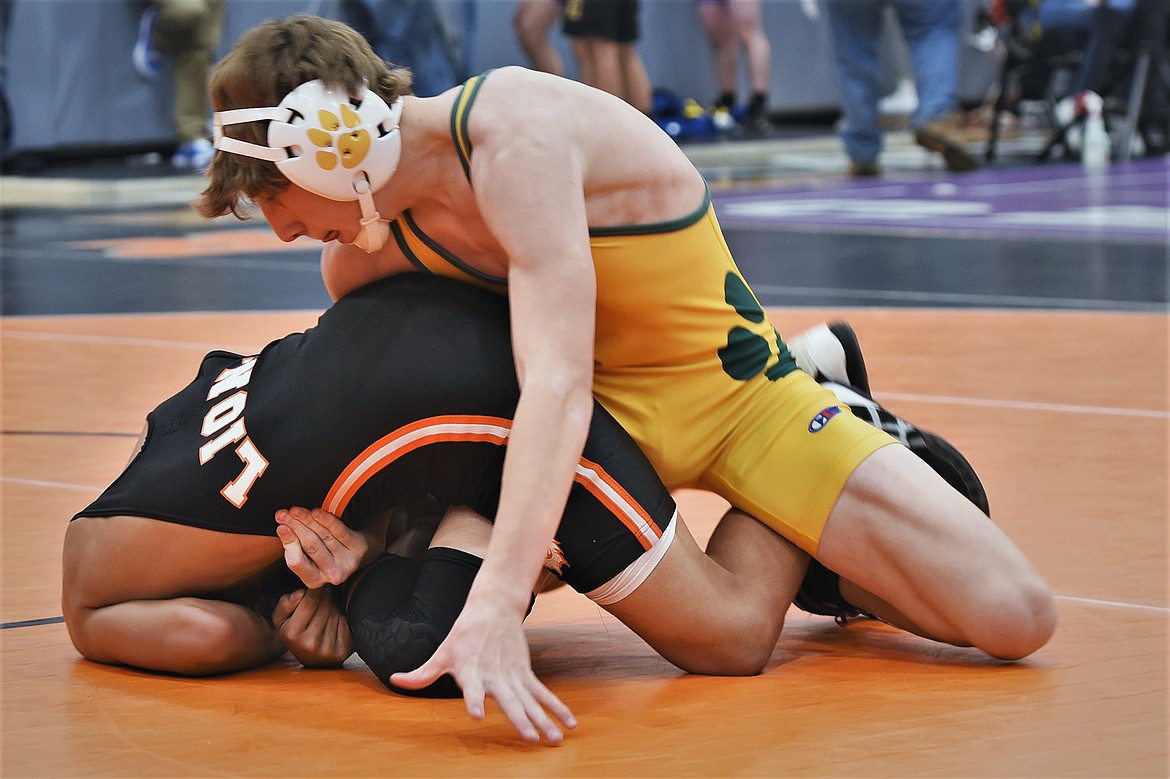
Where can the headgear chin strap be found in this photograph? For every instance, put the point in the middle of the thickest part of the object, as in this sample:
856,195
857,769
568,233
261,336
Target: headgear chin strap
330,144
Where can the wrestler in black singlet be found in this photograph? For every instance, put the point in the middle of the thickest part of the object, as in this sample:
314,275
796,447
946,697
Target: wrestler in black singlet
405,387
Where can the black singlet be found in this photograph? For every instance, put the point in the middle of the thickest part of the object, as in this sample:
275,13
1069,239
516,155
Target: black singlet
405,387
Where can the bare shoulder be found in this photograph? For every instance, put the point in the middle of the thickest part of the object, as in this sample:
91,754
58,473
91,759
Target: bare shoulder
515,76
527,127
520,108
514,100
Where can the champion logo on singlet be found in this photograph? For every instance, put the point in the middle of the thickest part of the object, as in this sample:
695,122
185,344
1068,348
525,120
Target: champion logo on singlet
820,420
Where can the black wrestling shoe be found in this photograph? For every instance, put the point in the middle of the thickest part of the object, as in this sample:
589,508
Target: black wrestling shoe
949,463
934,450
830,352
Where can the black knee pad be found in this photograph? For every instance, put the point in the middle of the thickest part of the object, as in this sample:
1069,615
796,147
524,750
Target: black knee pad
400,610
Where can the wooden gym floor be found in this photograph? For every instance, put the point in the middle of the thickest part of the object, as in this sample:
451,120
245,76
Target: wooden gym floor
1038,344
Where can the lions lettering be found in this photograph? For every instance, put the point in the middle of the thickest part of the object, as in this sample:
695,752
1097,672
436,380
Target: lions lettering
223,424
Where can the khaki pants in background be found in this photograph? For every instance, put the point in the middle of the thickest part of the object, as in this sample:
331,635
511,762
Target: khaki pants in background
188,31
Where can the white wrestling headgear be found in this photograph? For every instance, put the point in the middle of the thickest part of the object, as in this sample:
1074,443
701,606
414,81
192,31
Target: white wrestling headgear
330,144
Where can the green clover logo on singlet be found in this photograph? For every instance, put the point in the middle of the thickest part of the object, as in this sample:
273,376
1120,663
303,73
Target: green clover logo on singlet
747,354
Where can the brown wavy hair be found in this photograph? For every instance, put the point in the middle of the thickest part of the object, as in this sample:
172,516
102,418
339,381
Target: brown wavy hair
269,61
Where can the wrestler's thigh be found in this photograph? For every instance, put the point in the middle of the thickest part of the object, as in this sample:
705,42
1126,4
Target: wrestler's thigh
110,560
705,618
901,532
791,456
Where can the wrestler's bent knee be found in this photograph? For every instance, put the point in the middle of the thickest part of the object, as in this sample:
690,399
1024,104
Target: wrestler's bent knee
743,649
1023,622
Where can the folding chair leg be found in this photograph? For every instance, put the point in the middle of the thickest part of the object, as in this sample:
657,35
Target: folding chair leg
997,109
1058,138
993,130
1137,93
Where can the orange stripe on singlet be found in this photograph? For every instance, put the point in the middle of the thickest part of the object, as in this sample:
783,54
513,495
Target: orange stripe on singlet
614,497
487,429
387,449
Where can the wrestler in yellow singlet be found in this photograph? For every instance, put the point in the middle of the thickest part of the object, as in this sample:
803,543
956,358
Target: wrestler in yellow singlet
686,360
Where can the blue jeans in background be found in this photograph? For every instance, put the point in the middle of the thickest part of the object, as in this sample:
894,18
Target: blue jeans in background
932,30
411,34
1103,25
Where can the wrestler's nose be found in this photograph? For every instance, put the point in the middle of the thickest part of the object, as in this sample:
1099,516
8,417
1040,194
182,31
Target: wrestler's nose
288,230
286,225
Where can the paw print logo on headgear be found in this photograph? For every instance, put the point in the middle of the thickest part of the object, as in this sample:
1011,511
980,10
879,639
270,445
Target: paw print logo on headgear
329,143
341,139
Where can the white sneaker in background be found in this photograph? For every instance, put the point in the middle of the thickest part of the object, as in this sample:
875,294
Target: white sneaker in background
901,102
194,155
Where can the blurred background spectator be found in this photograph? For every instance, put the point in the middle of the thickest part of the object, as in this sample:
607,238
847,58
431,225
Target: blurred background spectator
533,22
413,34
932,29
604,35
187,32
734,27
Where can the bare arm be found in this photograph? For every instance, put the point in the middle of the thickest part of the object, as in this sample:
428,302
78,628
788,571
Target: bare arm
201,636
189,636
529,187
552,299
129,587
